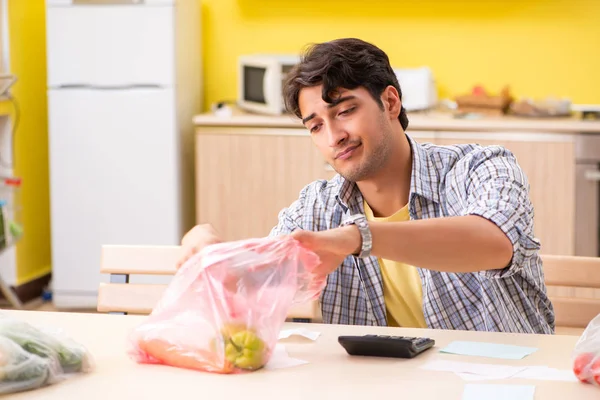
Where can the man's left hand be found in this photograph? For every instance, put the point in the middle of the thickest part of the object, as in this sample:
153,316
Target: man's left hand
332,246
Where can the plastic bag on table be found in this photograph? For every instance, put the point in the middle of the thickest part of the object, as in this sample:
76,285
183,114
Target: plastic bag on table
224,308
21,370
31,358
586,355
71,356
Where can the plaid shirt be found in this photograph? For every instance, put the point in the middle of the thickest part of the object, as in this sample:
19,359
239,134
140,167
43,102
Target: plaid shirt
446,181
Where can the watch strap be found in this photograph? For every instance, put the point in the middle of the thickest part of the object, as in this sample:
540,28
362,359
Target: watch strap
365,233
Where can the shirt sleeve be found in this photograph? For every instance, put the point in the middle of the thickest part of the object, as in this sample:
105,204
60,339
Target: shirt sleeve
289,218
498,190
287,223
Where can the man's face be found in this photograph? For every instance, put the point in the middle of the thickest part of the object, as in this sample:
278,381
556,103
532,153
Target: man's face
354,134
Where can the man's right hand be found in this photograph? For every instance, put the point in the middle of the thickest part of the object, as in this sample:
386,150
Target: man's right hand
195,240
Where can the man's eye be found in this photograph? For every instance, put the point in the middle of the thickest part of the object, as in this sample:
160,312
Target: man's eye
347,111
315,128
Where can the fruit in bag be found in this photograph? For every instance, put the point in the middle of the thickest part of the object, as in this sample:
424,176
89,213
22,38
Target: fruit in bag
224,308
244,349
586,355
595,370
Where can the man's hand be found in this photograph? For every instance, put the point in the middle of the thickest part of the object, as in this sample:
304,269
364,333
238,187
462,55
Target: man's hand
332,246
195,240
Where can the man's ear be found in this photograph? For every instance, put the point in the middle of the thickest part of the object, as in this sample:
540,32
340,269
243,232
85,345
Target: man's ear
391,101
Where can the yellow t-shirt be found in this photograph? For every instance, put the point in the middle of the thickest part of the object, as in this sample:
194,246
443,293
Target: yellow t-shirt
402,288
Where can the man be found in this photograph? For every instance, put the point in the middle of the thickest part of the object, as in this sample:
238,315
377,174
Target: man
409,234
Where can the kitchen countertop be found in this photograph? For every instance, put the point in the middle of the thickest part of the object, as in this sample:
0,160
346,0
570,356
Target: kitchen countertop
433,120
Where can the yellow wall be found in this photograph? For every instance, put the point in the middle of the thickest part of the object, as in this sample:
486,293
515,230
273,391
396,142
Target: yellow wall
28,59
539,47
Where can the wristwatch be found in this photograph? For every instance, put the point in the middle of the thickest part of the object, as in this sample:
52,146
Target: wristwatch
365,233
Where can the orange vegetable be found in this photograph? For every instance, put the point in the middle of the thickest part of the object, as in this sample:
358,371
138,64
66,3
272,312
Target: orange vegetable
189,358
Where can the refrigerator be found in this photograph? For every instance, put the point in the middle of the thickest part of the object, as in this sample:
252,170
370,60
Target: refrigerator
124,81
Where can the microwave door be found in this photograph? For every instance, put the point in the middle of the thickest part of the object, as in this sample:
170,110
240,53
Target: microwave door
254,86
261,88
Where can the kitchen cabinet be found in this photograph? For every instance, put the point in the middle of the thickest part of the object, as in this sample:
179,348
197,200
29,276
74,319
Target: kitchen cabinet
548,160
245,176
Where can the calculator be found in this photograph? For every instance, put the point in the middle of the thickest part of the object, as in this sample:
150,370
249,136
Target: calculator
385,346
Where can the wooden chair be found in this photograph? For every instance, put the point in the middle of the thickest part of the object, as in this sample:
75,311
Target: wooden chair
572,284
121,297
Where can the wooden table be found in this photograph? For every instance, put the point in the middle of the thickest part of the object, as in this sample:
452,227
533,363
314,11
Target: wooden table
331,373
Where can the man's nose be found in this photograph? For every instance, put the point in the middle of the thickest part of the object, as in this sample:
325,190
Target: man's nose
336,136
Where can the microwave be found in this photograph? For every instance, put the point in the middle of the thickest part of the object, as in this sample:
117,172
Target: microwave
260,82
418,88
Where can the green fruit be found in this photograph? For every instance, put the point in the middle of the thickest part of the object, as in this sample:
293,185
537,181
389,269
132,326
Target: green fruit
230,328
225,333
244,349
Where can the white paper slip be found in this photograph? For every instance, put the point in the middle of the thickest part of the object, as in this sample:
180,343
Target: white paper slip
281,359
465,376
478,391
537,372
494,350
489,371
286,333
547,374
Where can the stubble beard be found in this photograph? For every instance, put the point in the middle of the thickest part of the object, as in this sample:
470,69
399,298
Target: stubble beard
371,163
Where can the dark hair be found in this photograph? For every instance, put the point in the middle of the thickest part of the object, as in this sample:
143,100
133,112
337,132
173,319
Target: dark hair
342,63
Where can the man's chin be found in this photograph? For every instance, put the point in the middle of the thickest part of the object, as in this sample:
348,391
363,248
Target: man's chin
351,170
352,175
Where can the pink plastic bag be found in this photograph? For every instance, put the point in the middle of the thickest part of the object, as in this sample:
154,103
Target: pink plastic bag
224,308
586,356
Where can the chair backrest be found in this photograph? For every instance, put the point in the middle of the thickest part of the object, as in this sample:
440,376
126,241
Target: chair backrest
565,274
121,296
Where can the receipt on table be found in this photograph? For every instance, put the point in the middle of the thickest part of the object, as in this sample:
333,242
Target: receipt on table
286,333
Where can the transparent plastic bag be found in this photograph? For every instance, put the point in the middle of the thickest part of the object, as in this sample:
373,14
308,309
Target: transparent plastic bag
224,308
21,370
32,357
72,356
586,355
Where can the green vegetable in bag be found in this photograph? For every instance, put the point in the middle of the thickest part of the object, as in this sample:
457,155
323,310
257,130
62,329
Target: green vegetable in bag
71,356
21,370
